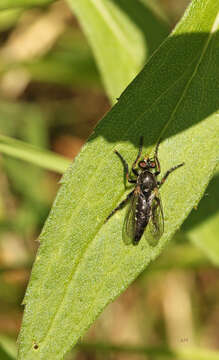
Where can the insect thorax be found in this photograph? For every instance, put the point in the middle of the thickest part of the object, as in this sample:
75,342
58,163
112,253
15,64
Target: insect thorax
147,181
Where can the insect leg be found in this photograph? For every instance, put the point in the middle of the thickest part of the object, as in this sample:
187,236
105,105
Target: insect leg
126,167
120,206
160,183
134,170
156,158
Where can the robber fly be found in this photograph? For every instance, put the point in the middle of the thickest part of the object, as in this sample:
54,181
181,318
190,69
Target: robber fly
145,212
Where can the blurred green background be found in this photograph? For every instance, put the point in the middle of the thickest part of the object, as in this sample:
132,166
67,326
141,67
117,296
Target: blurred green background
52,96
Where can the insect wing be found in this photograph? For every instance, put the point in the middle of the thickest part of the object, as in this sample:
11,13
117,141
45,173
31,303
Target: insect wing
129,226
155,226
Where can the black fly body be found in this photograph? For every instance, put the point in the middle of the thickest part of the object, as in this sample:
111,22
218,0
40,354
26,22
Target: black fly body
145,213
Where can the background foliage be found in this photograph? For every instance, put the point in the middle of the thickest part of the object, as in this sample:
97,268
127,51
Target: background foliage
47,75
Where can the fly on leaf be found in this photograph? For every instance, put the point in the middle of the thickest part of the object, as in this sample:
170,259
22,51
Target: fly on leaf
145,213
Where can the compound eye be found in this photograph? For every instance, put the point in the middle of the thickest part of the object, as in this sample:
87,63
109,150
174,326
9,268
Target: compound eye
152,164
142,164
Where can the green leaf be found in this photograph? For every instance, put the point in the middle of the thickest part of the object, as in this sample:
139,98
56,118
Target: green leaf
180,256
8,349
4,355
131,30
28,123
43,158
202,227
152,26
117,43
12,4
8,18
82,263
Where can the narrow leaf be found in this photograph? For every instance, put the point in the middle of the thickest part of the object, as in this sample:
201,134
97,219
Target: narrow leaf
40,157
82,263
12,4
8,349
117,43
202,227
4,355
8,18
152,26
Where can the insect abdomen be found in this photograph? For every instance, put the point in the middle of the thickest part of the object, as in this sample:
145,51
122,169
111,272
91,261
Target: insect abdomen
142,217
